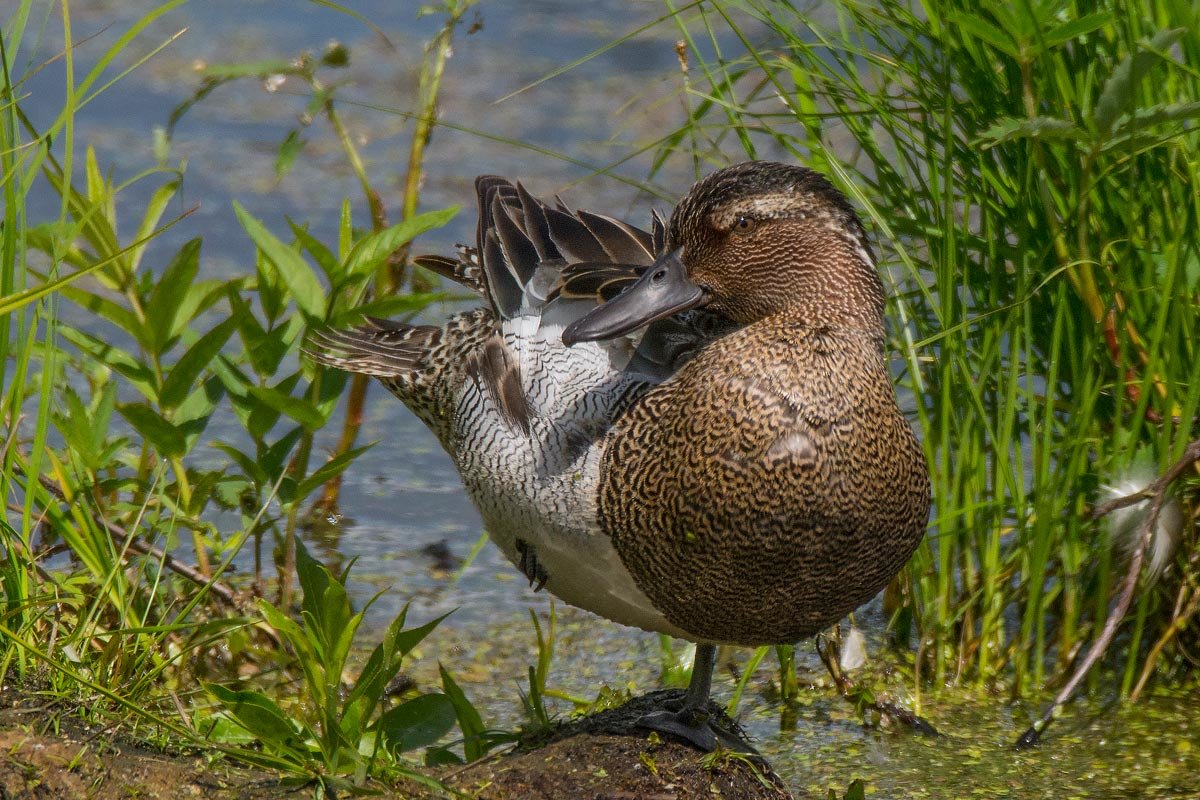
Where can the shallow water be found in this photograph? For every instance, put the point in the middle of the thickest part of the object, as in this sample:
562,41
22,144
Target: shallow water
404,496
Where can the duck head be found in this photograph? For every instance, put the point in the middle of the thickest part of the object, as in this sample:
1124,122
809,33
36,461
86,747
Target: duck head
748,242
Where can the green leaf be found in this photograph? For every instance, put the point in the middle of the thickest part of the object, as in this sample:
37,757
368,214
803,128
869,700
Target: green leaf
293,270
329,470
469,720
273,457
103,307
1077,27
138,374
371,251
324,257
263,350
325,605
382,666
259,715
186,371
289,148
290,630
408,639
167,439
154,211
1117,96
1044,128
169,290
297,408
249,466
198,298
984,30
416,723
103,405
1145,118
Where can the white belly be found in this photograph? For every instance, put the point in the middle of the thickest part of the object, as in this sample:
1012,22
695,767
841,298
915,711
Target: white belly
537,490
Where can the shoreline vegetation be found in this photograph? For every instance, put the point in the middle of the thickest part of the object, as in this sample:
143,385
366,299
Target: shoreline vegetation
1031,176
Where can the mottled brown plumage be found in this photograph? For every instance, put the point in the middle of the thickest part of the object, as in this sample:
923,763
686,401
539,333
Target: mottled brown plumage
772,485
794,491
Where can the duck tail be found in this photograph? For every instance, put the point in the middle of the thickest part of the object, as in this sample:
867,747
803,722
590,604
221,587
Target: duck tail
380,347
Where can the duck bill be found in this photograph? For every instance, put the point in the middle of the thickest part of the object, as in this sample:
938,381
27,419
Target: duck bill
664,289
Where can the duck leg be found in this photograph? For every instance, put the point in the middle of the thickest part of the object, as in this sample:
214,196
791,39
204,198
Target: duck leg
695,720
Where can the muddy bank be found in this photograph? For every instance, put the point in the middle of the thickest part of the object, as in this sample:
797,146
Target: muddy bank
607,757
601,757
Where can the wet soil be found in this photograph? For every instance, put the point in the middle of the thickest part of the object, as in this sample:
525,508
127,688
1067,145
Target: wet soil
606,756
603,757
80,765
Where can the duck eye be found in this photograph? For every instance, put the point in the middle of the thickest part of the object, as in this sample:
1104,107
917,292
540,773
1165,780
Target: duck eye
744,225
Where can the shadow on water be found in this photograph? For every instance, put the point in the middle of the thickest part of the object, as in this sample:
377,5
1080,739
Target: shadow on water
405,509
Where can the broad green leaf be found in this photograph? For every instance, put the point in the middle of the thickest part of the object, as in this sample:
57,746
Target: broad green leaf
325,600
103,405
167,439
99,190
1037,128
307,656
419,722
249,466
274,457
95,228
329,470
291,146
293,632
382,666
1077,27
258,714
371,251
324,257
154,210
198,298
193,414
297,408
469,720
293,270
183,375
406,640
169,292
1145,118
1118,94
263,350
138,374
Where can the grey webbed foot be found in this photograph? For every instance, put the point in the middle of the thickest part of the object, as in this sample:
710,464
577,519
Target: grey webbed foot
698,728
694,719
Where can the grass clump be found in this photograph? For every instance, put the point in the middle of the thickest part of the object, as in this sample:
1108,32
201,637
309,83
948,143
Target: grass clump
1033,171
121,526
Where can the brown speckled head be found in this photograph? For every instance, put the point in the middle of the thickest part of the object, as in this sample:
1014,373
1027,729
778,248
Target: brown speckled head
763,237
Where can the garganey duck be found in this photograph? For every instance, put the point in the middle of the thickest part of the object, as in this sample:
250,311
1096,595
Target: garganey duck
692,431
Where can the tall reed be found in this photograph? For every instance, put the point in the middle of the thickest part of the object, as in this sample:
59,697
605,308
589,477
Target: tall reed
1032,173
